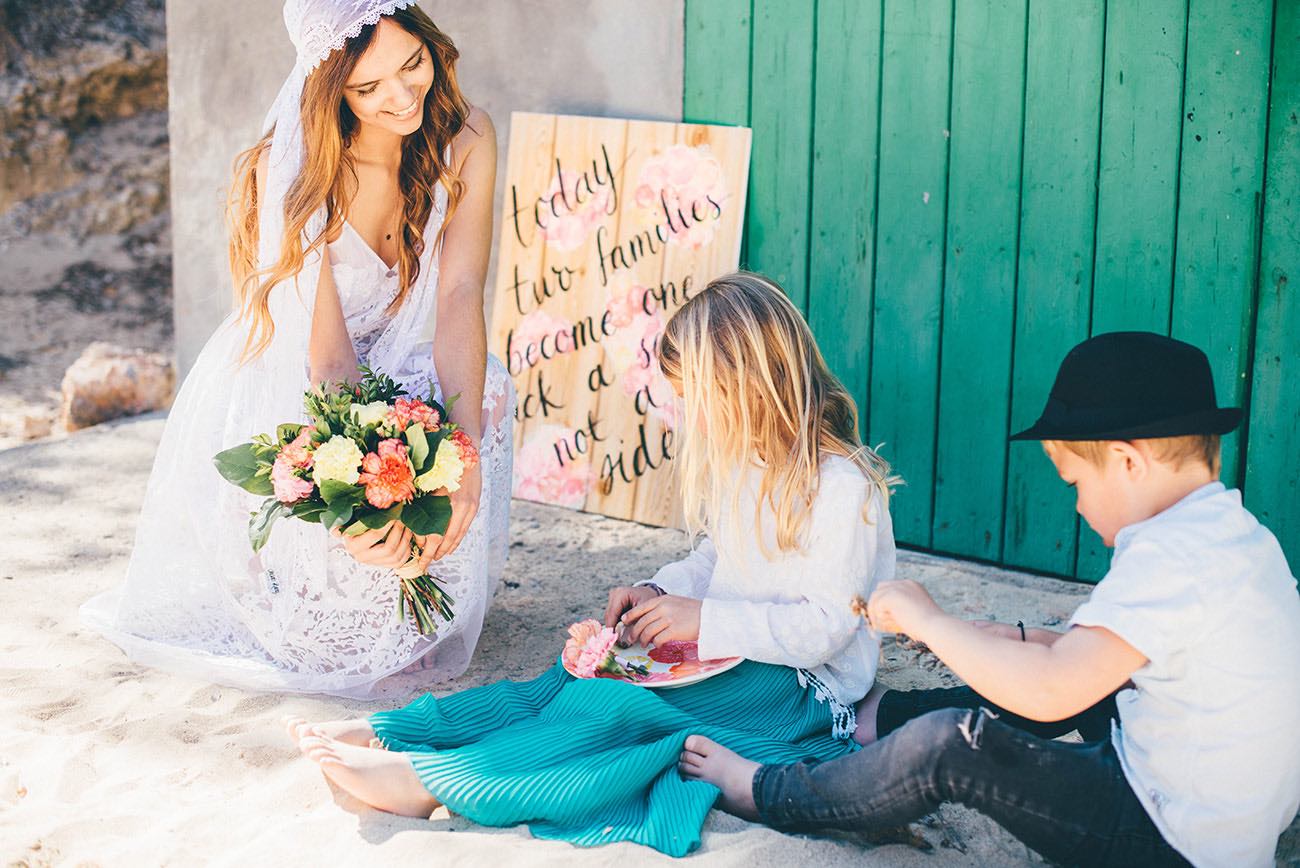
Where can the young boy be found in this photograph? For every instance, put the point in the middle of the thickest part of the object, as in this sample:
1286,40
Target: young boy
1191,643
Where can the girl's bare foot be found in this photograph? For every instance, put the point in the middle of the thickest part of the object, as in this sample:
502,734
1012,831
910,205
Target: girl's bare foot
357,731
380,778
866,711
705,760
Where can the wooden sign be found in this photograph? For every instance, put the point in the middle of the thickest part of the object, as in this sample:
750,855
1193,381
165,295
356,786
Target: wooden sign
608,226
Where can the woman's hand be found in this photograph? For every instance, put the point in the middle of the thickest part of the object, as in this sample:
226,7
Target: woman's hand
902,607
663,619
464,506
387,546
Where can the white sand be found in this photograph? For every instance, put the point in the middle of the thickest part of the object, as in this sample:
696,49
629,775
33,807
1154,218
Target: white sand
105,763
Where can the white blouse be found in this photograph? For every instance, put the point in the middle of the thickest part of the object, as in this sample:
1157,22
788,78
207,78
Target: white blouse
793,610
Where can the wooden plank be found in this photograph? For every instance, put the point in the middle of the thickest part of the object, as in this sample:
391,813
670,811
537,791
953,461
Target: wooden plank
1273,451
716,62
845,150
1137,184
909,255
979,276
1054,289
781,117
1225,104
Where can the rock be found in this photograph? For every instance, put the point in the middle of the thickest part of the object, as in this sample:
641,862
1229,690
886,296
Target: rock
109,382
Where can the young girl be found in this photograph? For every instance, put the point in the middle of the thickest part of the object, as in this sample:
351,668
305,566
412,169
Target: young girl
361,218
795,509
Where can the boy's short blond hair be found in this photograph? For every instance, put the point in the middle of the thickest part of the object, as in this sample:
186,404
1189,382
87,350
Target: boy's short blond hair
1168,450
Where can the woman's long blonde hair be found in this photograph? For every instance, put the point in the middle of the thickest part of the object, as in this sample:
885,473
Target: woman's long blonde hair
757,394
328,175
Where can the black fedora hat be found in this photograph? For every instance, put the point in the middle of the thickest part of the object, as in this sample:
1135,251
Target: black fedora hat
1130,386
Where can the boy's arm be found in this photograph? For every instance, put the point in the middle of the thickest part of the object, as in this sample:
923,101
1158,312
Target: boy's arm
1037,681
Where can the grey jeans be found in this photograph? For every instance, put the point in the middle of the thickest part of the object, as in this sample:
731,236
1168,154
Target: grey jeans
1068,801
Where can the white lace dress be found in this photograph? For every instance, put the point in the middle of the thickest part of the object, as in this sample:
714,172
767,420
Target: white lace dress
302,615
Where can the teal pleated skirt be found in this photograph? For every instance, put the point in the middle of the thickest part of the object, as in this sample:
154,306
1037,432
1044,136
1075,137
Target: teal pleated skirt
593,761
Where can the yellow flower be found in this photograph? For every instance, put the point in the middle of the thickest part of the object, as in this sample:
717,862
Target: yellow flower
337,458
369,414
446,471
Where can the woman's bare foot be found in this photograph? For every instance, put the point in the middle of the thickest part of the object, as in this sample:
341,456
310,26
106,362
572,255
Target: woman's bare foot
380,778
357,731
866,711
705,760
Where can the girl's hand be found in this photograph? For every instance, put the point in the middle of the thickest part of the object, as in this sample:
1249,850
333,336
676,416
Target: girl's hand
624,598
464,506
663,619
387,546
902,607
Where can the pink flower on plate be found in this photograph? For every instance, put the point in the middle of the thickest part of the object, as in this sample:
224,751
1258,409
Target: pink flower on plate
296,452
289,487
590,649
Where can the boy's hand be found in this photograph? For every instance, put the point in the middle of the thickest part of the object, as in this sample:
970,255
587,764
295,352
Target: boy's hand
901,607
663,619
624,598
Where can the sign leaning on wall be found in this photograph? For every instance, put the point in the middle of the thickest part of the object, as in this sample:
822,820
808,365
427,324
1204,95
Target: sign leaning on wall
608,226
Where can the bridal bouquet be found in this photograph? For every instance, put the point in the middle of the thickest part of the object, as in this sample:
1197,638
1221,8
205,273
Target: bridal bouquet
369,456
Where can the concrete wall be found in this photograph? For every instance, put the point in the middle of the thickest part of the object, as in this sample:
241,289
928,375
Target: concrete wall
614,58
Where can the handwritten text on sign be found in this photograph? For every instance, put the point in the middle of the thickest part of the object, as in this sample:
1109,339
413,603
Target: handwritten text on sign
608,227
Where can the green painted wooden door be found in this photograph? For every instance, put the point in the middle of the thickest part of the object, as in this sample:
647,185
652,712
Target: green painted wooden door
958,191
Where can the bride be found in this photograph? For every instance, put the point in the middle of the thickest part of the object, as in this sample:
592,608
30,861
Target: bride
361,219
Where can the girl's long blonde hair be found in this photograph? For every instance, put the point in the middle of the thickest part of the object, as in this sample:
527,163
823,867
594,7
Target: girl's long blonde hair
757,394
328,175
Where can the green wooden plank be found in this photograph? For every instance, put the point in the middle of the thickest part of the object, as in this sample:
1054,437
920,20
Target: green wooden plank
781,117
1225,103
1273,450
1054,290
979,276
845,139
1137,184
716,76
909,253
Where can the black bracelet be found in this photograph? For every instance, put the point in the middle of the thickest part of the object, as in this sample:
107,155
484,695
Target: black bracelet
1021,625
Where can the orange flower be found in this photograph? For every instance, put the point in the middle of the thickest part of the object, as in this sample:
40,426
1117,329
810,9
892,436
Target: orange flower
387,475
465,446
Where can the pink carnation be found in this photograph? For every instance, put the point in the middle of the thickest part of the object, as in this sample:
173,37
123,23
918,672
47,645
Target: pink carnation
408,410
387,475
590,645
296,452
289,488
465,446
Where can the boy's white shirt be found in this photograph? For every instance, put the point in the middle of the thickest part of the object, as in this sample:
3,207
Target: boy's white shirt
793,610
1210,733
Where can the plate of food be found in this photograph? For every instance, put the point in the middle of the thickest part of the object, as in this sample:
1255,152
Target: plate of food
592,652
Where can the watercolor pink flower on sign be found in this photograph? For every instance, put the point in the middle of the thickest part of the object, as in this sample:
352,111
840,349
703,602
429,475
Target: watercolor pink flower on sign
541,476
570,229
530,331
679,184
624,305
632,352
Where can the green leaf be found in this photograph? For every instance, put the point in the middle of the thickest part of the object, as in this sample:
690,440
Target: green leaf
428,514
336,514
419,445
242,466
336,491
451,402
308,510
287,432
379,518
259,526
